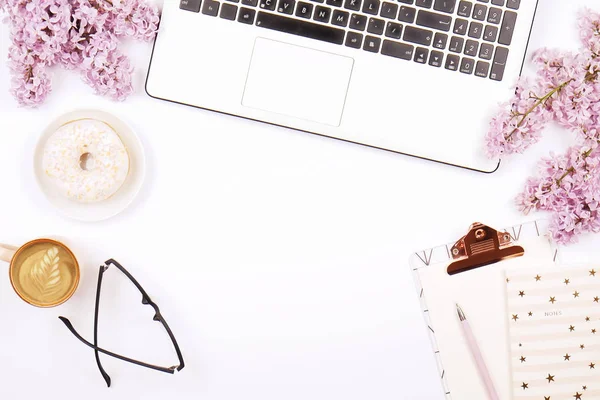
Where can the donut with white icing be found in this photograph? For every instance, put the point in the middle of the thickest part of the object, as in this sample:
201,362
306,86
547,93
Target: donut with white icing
87,160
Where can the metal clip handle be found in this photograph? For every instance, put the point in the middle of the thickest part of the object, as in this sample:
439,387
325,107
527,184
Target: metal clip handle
480,247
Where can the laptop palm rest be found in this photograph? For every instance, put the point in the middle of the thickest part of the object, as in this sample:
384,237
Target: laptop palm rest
283,76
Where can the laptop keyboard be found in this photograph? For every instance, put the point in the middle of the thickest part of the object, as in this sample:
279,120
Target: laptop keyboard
470,37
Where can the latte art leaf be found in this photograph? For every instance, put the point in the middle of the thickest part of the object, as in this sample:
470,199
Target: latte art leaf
46,274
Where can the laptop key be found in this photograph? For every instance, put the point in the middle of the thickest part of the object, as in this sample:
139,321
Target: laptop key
322,14
267,4
418,35
252,3
498,2
397,50
465,8
372,44
446,6
471,48
335,3
433,20
389,10
393,30
486,51
480,12
461,26
300,28
340,18
407,14
246,15
228,11
421,54
353,5
286,6
234,1
499,63
482,69
190,5
358,22
508,27
476,30
424,3
407,1
490,33
211,8
514,4
371,7
440,40
354,39
456,44
467,65
452,62
494,16
376,26
435,59
304,10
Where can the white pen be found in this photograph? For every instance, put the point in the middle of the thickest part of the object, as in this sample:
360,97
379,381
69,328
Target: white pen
477,356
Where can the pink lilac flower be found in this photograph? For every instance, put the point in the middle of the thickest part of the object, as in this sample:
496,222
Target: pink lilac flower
519,123
40,26
568,186
86,21
140,21
106,69
589,30
79,35
566,90
30,83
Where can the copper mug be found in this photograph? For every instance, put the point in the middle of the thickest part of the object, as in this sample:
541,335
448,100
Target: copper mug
43,272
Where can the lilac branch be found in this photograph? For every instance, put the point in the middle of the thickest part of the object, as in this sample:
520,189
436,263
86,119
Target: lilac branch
78,34
567,185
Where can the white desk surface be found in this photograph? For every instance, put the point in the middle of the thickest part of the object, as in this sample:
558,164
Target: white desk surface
278,258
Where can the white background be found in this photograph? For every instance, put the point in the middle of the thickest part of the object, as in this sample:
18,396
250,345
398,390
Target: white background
278,258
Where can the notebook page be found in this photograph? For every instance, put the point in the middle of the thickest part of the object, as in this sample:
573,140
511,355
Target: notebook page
554,323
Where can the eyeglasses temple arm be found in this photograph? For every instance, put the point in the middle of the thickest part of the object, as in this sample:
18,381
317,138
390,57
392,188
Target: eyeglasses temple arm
96,313
174,341
69,326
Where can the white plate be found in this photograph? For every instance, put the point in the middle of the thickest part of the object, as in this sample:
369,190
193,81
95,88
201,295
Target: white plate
90,212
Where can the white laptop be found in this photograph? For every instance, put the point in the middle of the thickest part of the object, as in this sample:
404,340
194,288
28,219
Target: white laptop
417,77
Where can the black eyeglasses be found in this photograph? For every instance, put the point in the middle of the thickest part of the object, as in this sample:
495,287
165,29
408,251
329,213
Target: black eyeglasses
157,317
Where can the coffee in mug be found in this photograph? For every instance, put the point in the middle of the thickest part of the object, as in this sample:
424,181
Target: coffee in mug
43,272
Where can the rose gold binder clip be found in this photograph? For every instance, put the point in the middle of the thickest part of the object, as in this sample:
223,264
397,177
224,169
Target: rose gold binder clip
482,246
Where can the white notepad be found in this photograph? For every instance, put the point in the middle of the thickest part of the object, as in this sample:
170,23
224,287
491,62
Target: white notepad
481,294
554,323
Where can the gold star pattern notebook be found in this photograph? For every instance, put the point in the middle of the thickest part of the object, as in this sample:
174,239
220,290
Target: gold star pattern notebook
554,333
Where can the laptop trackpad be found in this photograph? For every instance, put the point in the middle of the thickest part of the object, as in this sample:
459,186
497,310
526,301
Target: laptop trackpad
297,81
